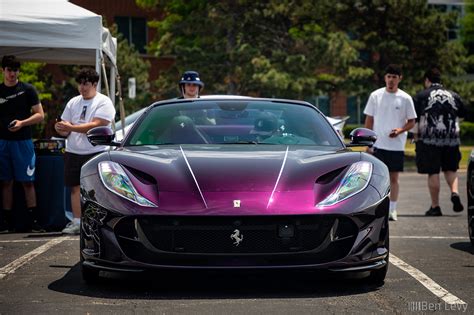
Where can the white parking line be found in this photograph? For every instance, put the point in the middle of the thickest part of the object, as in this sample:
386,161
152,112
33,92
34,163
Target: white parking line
435,288
432,237
14,265
29,240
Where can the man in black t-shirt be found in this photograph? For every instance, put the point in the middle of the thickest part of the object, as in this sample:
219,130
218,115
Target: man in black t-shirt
437,145
19,109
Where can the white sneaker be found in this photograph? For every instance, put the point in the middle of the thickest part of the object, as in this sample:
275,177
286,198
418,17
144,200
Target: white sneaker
72,228
392,216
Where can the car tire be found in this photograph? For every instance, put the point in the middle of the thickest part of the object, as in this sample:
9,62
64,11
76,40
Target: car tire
470,224
377,277
470,204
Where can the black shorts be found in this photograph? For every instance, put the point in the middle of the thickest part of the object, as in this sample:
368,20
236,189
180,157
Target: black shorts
393,159
430,159
72,167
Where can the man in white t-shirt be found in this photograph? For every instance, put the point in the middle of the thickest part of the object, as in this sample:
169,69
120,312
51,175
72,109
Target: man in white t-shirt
88,110
390,113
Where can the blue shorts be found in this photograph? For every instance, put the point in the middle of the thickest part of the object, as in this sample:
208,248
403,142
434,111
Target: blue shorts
17,160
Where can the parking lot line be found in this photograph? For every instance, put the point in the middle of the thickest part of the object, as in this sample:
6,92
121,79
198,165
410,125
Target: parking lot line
426,281
29,240
14,265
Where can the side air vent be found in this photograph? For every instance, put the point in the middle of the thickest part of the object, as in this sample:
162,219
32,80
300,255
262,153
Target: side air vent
141,176
329,177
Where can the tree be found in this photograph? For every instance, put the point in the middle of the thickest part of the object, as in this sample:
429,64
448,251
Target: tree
296,48
271,48
467,27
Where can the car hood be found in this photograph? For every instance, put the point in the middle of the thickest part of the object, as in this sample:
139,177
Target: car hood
234,168
243,179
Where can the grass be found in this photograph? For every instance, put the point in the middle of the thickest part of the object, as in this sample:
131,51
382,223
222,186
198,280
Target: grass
410,155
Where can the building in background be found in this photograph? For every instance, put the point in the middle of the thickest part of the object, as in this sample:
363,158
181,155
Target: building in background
457,6
131,21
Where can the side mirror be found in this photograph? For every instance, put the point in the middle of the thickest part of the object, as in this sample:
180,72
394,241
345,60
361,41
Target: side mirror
362,137
101,136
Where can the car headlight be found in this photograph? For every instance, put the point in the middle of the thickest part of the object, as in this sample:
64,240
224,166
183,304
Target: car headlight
354,181
116,180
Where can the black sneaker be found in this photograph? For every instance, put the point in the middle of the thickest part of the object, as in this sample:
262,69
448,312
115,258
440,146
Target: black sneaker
36,228
434,212
33,225
4,227
6,224
457,205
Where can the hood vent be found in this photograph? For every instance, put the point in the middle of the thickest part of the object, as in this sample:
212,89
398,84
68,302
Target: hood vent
329,177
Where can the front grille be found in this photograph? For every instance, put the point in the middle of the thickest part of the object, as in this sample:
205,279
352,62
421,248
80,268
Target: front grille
237,235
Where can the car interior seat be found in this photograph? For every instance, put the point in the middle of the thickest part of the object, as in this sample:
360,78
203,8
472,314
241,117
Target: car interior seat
182,130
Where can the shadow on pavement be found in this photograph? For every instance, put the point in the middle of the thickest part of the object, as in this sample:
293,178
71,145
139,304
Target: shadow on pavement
464,246
212,285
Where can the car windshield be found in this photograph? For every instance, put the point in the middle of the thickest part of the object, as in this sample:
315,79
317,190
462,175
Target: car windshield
233,122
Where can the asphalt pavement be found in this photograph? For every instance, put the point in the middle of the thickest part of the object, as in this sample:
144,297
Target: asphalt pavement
431,270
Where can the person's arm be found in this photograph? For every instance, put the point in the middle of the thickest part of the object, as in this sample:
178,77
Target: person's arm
66,127
369,122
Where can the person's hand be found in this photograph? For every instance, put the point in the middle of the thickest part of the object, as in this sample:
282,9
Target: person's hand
370,150
15,125
63,128
395,132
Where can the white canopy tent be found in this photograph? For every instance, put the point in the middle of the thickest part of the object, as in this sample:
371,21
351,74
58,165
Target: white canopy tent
56,32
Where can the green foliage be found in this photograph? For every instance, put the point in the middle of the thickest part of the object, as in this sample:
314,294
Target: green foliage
30,72
467,26
466,132
298,49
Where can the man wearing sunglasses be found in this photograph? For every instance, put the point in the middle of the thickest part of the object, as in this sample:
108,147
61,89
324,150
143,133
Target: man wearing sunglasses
20,108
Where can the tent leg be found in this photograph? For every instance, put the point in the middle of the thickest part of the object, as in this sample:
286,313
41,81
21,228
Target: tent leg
98,58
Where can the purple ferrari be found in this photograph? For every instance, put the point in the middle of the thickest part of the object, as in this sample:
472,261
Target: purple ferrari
234,183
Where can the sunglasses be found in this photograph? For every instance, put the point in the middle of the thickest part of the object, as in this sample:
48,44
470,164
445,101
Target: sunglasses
12,69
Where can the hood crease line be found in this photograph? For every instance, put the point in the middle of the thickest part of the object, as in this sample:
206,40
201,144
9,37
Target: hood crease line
278,178
194,177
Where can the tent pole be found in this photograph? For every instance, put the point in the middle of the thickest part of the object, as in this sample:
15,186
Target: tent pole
97,68
122,108
106,82
112,83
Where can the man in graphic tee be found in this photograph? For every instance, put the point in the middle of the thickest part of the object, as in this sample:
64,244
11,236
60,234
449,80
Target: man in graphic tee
88,110
437,145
